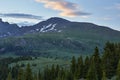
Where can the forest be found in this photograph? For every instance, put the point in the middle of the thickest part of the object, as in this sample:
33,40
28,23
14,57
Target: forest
98,66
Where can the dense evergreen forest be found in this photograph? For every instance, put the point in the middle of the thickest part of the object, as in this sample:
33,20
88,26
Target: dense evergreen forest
99,66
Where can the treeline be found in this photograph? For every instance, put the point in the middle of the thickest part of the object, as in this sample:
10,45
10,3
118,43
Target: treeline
98,67
95,67
4,65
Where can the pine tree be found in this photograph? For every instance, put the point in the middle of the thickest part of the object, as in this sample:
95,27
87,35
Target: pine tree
35,77
73,65
118,71
69,76
20,75
9,76
39,76
97,61
53,72
61,74
86,66
57,70
104,76
47,75
79,68
92,75
28,73
110,60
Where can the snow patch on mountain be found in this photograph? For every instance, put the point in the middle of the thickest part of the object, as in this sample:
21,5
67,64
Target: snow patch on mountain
42,29
50,27
53,27
37,29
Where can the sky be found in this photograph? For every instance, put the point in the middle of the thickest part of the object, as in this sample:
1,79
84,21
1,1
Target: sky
29,12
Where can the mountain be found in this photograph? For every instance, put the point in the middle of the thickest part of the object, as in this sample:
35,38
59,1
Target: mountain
55,37
49,25
56,24
7,29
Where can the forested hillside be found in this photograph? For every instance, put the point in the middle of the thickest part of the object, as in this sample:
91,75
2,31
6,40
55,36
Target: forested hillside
94,67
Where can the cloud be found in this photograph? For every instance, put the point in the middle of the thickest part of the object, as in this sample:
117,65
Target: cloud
25,23
67,9
21,16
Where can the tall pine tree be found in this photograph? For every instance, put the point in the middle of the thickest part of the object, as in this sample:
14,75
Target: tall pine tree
86,66
97,61
110,60
73,65
79,68
20,75
118,71
92,74
28,73
39,75
104,76
9,76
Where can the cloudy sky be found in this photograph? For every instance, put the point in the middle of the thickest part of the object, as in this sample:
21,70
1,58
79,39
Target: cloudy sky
28,12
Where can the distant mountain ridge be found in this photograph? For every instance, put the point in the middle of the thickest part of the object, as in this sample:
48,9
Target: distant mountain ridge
7,29
55,36
54,24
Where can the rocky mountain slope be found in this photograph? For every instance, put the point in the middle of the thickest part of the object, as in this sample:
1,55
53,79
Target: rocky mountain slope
54,37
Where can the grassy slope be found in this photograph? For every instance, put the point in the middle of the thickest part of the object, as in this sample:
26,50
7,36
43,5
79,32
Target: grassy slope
41,63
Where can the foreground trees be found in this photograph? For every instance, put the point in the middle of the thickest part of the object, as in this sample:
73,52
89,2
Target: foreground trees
118,72
94,67
97,63
9,76
20,75
104,76
92,72
110,59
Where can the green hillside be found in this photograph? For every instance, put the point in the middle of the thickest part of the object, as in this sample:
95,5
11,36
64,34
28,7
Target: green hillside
52,44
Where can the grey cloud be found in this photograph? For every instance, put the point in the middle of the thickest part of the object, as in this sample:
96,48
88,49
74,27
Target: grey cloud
21,15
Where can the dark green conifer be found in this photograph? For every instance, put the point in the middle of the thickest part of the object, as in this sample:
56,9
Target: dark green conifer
73,65
97,61
92,74
104,76
9,76
79,68
20,75
118,71
28,73
86,66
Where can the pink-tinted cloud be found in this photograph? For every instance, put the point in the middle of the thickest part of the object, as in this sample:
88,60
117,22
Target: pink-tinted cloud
66,8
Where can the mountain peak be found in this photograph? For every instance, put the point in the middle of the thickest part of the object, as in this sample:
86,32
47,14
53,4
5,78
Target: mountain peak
0,20
3,23
58,20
